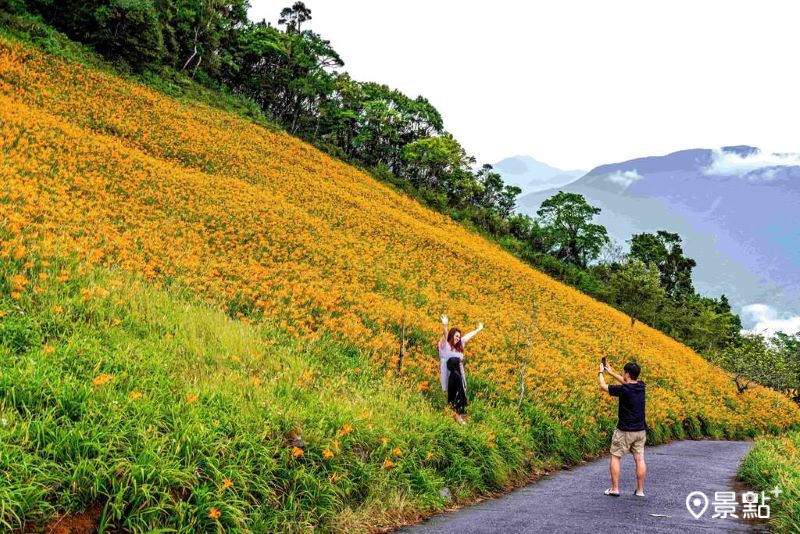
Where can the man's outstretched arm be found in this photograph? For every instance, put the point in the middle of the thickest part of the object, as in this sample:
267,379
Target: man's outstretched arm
601,380
615,375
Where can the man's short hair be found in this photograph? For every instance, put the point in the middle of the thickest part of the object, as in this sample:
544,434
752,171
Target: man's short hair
633,369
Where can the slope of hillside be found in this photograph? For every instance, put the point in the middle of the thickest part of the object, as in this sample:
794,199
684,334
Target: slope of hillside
276,232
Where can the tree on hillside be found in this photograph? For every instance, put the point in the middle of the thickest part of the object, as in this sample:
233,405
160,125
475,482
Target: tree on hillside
635,289
288,74
789,348
568,219
312,81
753,358
258,65
200,32
372,123
439,162
293,17
789,345
128,31
494,194
703,323
665,251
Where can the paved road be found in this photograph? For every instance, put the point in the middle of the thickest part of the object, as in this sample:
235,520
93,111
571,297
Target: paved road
573,501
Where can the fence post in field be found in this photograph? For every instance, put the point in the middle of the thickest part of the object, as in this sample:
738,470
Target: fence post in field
402,349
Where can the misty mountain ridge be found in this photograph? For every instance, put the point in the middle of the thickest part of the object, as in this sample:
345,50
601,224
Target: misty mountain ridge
532,175
735,207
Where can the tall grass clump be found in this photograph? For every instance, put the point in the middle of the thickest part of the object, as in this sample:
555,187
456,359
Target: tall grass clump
775,461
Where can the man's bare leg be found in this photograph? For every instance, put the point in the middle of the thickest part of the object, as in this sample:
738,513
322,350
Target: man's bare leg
641,472
614,468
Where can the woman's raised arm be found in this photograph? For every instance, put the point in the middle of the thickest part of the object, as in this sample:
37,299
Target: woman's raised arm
444,330
469,335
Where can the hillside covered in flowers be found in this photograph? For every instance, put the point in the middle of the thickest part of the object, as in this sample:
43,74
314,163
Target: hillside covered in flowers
272,228
273,231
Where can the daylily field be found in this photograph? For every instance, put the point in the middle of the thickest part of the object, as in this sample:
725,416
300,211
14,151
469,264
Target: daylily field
106,185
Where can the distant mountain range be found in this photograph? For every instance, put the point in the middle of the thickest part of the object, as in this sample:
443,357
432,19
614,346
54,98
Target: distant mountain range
736,208
531,175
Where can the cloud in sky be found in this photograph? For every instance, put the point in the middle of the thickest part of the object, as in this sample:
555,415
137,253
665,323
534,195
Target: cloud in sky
624,178
767,321
732,164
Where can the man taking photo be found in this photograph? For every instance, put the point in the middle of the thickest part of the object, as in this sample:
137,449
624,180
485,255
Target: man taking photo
630,432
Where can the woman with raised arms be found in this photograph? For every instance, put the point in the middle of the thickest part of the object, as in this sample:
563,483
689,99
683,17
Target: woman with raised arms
451,365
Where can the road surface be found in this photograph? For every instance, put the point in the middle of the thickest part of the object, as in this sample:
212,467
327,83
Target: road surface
573,501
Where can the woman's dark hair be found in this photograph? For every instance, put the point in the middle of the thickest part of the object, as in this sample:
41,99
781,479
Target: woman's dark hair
451,334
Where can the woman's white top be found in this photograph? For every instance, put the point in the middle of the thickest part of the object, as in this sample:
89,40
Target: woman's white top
445,353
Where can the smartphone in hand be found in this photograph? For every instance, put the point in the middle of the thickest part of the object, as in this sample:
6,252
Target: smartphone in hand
604,363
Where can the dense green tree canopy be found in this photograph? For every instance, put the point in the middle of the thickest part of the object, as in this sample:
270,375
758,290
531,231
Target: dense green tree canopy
771,363
664,250
636,290
494,194
575,238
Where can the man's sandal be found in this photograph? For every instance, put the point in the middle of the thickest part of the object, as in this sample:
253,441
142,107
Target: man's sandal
610,493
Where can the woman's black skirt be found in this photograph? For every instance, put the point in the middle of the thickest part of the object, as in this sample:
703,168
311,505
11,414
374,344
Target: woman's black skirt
456,395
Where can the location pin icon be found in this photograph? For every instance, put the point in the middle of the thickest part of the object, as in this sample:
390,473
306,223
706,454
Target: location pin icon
697,503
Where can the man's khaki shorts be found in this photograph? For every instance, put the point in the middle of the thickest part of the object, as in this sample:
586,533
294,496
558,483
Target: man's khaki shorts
622,442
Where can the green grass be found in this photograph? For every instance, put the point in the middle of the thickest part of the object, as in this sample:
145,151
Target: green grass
140,446
775,461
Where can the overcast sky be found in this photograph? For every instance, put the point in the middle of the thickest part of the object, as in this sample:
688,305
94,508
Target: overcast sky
580,83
